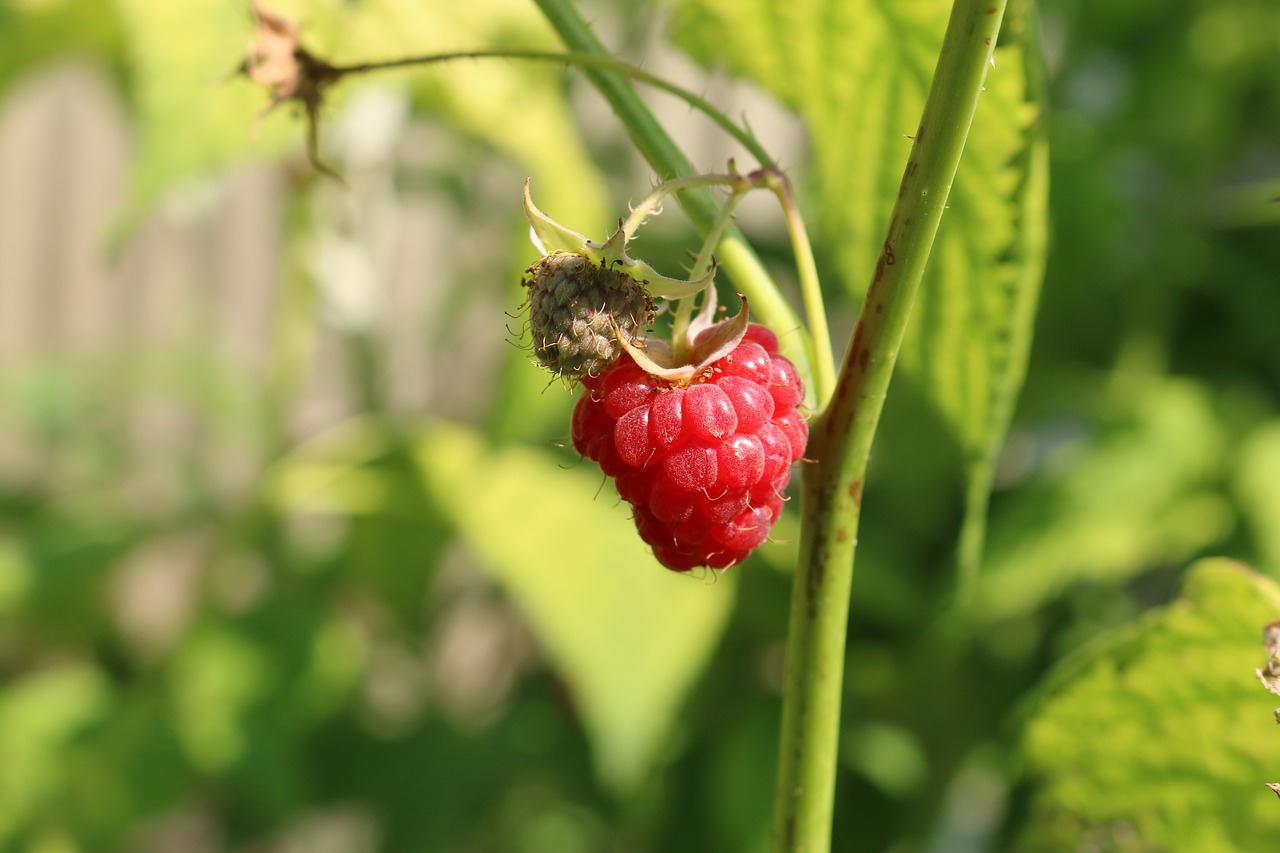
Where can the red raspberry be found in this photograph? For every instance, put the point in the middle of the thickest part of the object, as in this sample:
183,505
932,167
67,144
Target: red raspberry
704,465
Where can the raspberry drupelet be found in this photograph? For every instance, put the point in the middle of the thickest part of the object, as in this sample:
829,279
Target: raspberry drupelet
704,464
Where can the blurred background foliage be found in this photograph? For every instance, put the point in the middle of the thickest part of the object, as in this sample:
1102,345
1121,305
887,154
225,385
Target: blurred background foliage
292,556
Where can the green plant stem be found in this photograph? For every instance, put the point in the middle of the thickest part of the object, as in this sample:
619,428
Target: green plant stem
824,368
733,253
841,438
701,264
652,203
824,371
583,61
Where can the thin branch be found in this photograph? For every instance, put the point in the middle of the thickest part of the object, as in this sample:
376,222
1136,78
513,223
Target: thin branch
584,60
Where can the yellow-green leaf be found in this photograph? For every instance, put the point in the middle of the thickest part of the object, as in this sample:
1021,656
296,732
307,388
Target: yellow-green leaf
195,115
628,635
1159,737
35,33
41,715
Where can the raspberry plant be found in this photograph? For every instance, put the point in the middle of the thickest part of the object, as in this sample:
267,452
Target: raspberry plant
254,596
700,430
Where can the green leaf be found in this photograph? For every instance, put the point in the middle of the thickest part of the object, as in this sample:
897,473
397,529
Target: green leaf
215,679
969,342
1258,485
860,119
628,635
977,310
363,469
333,474
1159,737
34,33
41,714
1143,491
518,107
16,577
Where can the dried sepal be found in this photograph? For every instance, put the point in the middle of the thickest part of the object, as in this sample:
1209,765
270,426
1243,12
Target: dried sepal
655,357
276,59
718,340
1269,679
713,343
1269,675
706,316
547,235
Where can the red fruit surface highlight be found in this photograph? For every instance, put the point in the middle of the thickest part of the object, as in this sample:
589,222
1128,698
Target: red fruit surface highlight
631,437
739,462
796,429
666,418
625,388
692,468
785,384
750,361
753,405
704,464
763,336
748,531
708,411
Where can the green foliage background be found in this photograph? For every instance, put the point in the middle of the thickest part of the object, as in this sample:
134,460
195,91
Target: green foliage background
433,630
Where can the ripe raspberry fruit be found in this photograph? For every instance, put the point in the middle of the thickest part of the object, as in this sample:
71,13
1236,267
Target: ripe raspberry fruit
704,463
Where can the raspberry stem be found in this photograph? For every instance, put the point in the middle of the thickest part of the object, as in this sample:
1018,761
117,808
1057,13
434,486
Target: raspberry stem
824,369
841,437
701,264
823,365
584,60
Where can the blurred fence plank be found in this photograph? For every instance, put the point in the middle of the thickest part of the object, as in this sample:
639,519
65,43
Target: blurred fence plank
155,351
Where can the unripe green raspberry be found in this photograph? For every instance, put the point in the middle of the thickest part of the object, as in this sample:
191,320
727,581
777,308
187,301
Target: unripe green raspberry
577,310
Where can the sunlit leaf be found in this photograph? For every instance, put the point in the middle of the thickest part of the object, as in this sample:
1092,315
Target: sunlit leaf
1159,737
858,73
40,715
34,33
361,470
516,106
860,117
629,636
332,473
214,679
977,313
